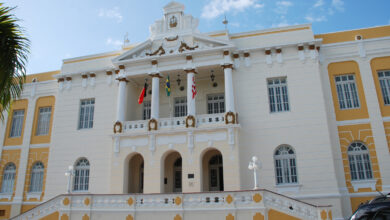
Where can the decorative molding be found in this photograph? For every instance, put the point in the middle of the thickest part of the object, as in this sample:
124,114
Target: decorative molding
6,196
364,184
288,188
226,66
190,71
154,62
353,122
36,196
190,121
121,67
109,73
172,139
230,118
210,137
152,124
118,127
84,76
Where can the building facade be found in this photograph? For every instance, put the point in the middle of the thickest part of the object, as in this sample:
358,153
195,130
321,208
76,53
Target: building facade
314,109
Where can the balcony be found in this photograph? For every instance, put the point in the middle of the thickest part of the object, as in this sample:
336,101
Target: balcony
166,124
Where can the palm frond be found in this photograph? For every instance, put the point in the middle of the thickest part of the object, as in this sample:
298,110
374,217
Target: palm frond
14,50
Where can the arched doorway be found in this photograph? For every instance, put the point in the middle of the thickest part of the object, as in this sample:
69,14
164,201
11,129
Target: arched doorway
172,172
136,174
212,168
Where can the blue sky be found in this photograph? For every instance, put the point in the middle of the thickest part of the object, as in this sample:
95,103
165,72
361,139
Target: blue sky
71,28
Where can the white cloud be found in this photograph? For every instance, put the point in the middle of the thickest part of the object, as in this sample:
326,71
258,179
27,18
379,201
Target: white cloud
218,7
312,19
281,24
338,5
115,43
235,24
111,13
319,3
282,7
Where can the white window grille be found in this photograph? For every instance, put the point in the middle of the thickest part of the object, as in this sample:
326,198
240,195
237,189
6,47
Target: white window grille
81,175
347,92
43,121
147,108
7,185
278,95
215,103
359,161
17,123
285,165
384,81
180,107
87,108
36,181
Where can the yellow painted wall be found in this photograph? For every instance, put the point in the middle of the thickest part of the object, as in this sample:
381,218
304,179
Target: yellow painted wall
53,216
35,155
9,156
275,215
356,201
258,216
343,36
387,131
378,64
25,208
16,105
342,68
41,77
7,209
47,101
362,133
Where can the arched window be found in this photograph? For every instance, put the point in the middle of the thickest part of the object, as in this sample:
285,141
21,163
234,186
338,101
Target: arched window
359,161
285,165
81,175
36,181
7,185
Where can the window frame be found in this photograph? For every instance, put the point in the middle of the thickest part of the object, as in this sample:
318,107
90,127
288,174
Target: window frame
34,185
11,175
81,179
21,119
37,129
287,97
350,92
289,158
355,172
146,110
183,105
219,101
385,79
79,127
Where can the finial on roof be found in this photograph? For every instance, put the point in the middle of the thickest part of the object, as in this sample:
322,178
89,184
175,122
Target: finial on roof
225,22
126,40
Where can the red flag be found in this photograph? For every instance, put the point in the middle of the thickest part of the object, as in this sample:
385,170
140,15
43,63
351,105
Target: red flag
193,88
142,95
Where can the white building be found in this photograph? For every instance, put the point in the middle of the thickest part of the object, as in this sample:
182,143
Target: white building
315,110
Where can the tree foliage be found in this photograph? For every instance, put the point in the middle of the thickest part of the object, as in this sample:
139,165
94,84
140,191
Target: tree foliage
14,48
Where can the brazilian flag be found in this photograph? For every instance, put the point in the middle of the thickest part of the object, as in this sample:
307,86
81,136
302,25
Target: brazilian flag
168,86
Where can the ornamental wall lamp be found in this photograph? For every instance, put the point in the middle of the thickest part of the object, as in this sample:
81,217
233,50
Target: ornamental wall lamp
212,76
255,165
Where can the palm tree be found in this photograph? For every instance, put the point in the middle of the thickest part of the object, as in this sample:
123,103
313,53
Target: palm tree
14,48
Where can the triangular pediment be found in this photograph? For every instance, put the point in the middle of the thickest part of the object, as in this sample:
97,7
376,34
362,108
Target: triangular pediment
173,45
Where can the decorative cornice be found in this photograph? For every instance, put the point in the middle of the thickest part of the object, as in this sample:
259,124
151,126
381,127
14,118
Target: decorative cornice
225,66
190,71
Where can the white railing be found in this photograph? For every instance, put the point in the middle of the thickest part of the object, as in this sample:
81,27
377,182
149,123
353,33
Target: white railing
175,122
190,203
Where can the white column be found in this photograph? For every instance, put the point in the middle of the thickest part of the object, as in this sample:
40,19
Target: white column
155,96
229,93
121,104
190,101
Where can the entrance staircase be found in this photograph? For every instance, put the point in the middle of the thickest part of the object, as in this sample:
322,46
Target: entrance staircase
253,204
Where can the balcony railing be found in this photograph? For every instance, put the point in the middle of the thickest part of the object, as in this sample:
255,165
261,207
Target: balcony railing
190,203
207,120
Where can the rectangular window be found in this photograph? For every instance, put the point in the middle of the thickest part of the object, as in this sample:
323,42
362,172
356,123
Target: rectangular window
180,107
17,123
347,92
384,81
87,108
277,94
43,121
146,111
216,104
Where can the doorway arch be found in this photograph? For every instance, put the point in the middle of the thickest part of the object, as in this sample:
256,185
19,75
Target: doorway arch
172,172
212,170
134,174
